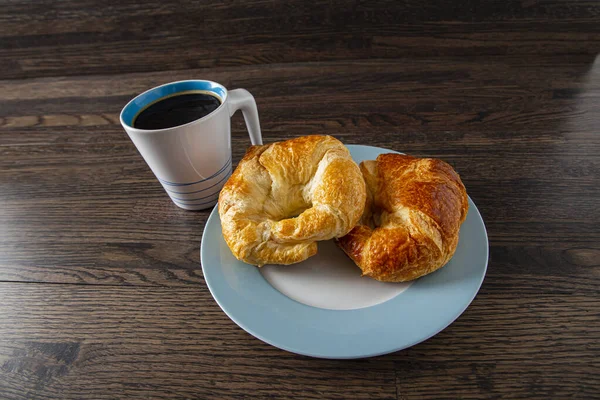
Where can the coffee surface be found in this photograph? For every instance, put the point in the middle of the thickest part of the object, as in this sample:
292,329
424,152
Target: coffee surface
176,110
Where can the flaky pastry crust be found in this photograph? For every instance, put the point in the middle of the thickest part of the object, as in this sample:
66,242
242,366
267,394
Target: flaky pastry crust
284,197
410,226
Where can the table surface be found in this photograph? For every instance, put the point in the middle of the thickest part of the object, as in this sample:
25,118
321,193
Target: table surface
101,288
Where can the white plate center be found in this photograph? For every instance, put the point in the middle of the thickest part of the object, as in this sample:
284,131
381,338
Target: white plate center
330,280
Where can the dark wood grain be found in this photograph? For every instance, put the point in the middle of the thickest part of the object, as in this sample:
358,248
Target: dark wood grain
101,289
184,348
530,161
46,38
471,93
166,343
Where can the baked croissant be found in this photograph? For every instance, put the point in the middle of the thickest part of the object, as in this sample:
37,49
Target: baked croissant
284,197
414,210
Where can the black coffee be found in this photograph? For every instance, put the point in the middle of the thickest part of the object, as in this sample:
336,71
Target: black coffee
176,110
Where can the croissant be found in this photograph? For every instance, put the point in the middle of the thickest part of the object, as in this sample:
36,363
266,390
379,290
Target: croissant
284,197
410,226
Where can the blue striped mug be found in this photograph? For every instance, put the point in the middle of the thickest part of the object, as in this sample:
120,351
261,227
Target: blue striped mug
192,161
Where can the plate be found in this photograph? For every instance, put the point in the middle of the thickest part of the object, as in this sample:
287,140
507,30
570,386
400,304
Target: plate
328,310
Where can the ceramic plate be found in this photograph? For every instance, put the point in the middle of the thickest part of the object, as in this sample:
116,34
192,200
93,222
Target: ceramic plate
323,308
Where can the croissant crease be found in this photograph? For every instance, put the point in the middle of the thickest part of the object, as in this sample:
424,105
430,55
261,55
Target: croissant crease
284,197
411,220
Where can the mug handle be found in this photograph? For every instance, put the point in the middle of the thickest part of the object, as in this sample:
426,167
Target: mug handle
241,99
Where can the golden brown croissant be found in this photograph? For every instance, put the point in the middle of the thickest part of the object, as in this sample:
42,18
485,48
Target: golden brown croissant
285,196
411,221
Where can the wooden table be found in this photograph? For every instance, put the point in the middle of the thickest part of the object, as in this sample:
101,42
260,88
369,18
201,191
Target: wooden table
101,288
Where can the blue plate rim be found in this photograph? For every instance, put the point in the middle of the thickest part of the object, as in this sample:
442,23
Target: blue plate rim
265,338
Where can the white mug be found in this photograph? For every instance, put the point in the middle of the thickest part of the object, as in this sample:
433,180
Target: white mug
192,161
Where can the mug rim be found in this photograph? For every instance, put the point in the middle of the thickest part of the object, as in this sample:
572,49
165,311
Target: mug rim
149,131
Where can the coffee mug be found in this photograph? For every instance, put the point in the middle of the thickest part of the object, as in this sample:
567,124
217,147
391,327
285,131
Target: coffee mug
192,161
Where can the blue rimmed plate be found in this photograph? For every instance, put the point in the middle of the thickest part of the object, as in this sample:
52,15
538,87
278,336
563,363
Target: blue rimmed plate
328,310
